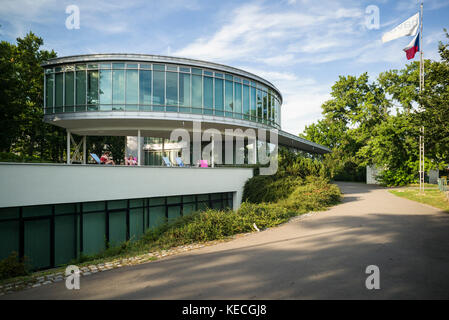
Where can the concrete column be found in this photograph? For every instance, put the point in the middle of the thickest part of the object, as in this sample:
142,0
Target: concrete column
138,148
212,158
84,150
68,147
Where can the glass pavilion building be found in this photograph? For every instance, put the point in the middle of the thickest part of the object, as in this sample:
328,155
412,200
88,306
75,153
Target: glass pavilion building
51,213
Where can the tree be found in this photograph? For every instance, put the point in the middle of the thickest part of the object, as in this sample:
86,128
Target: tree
360,129
22,100
356,108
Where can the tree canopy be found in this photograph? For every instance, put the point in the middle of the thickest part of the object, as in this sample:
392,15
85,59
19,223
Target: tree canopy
377,123
24,136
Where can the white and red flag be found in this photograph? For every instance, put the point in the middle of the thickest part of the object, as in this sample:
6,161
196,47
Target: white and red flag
407,28
412,48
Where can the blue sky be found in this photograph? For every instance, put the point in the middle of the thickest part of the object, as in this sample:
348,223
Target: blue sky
301,46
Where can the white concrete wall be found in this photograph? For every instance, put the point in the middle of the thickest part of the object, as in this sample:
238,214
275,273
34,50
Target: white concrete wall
36,184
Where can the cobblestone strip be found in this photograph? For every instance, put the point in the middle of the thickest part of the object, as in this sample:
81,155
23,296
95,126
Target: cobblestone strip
85,271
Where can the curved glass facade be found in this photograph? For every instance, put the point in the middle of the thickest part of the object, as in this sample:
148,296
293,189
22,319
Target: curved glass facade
135,86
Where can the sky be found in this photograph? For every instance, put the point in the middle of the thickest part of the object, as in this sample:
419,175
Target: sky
301,46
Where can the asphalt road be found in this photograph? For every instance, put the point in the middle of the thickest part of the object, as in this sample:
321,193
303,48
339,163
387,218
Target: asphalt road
320,256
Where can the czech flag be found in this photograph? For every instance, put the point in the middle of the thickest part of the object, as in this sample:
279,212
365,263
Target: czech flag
412,48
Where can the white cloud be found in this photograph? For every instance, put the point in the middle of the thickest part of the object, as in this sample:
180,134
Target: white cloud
302,97
257,32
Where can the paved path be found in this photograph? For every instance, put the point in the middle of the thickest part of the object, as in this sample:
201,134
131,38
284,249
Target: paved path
320,256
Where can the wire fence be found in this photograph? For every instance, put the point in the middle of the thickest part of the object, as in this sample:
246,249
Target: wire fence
442,185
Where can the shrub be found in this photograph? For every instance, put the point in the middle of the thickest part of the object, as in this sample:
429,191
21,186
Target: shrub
12,266
269,188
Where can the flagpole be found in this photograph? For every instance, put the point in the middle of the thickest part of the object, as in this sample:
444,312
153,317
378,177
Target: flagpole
421,88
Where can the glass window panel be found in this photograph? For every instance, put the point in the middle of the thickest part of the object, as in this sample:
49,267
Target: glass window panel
131,65
94,232
229,96
118,87
92,66
65,208
80,67
253,103
236,79
215,196
9,213
80,88
246,100
145,66
269,106
132,89
117,228
183,69
197,91
159,67
36,211
136,224
188,209
118,65
184,89
208,93
64,239
197,71
117,204
172,68
58,92
217,205
237,97
259,105
105,66
246,82
49,93
173,212
228,77
186,199
219,99
156,201
174,200
93,206
203,205
69,91
105,87
158,87
92,87
135,203
37,242
145,87
208,73
9,238
203,197
172,90
219,75
265,105
157,216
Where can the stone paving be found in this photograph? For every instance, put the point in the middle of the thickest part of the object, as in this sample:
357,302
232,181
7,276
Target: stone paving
85,271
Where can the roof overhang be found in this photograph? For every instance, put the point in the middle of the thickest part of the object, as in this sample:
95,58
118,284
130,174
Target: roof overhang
161,124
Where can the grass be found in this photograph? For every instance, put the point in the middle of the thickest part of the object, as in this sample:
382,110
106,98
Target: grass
431,196
301,196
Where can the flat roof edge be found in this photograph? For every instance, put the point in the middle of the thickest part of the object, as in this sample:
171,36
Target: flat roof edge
158,59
